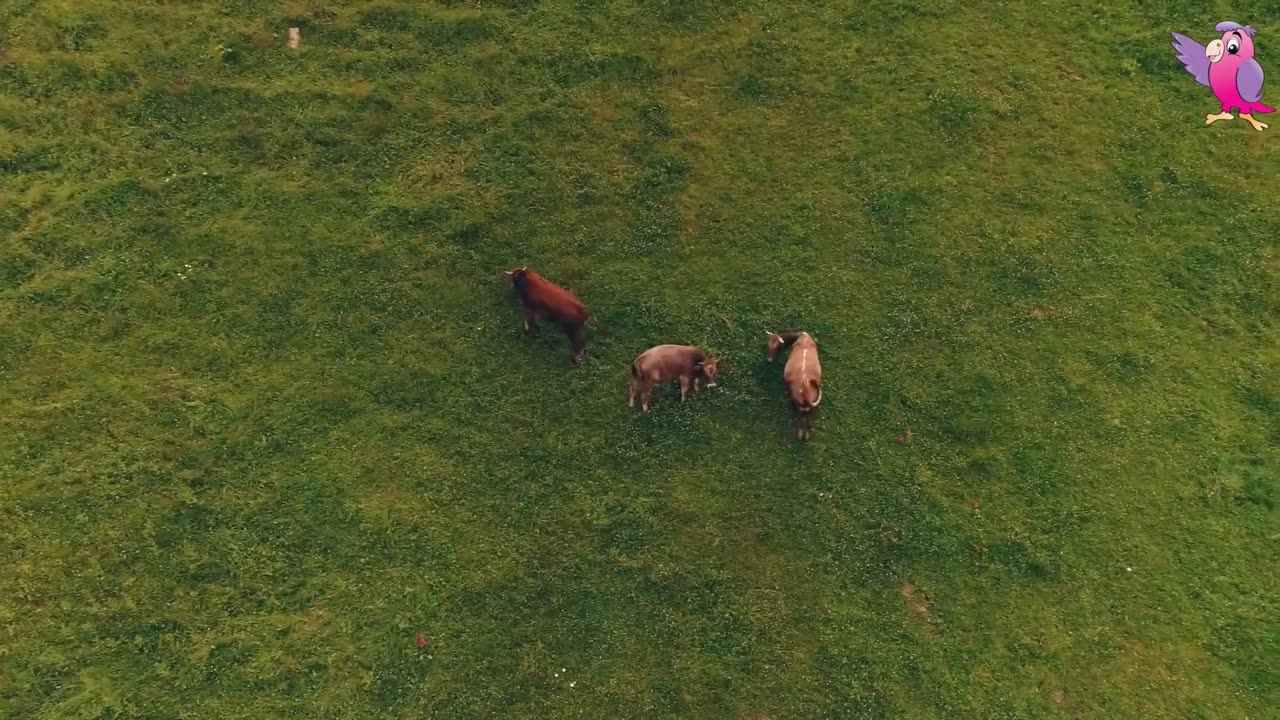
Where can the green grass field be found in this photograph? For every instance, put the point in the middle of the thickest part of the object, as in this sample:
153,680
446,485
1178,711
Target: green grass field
266,413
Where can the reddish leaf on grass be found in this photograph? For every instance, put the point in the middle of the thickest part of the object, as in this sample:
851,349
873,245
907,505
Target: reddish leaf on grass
905,438
422,641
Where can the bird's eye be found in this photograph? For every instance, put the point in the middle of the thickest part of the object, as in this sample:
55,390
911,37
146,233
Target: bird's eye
1233,47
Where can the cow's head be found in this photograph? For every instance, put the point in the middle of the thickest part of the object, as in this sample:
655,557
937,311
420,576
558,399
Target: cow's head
512,275
708,369
776,343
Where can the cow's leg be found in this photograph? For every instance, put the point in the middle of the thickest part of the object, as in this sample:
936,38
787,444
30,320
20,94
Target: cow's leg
633,386
684,387
649,384
578,341
635,392
527,319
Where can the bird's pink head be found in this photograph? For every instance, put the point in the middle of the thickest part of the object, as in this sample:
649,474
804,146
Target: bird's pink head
1234,47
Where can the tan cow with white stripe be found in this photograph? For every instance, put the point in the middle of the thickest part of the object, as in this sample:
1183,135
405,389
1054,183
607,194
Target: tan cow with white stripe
802,374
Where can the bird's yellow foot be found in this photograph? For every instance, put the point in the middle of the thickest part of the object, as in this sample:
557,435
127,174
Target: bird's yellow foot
1211,119
1259,126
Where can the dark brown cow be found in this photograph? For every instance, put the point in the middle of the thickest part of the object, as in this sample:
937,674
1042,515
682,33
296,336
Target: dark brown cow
541,299
802,374
661,364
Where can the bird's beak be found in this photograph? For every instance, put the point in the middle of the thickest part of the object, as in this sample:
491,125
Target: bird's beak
1214,51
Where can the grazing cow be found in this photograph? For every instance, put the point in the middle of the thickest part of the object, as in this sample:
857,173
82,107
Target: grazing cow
802,374
541,299
661,364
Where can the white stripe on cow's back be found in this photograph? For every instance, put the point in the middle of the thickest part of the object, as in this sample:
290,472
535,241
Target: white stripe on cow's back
804,364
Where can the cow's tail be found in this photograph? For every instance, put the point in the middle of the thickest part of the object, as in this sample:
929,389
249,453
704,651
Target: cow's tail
807,408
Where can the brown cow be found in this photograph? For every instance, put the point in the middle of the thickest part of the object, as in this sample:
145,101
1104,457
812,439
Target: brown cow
802,374
661,364
541,299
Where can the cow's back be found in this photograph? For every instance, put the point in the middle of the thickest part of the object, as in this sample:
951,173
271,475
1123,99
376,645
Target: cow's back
553,300
803,373
668,361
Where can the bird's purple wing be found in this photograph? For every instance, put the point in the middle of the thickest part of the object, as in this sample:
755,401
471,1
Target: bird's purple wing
1191,54
1249,80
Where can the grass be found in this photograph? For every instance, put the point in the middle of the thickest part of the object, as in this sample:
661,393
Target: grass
266,414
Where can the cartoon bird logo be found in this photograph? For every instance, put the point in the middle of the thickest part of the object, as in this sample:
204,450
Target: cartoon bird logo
1227,67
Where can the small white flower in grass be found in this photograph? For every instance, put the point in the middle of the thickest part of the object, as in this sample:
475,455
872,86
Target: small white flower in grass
1129,569
575,682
